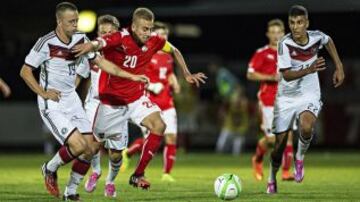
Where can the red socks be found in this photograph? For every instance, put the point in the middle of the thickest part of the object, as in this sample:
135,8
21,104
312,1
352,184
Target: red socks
65,154
135,147
151,145
169,157
287,157
260,152
81,166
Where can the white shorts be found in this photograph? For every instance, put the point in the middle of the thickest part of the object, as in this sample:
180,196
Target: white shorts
111,122
288,110
170,119
116,143
64,117
267,117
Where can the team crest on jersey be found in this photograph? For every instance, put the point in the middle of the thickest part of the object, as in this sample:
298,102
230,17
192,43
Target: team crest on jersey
270,56
293,53
64,131
144,48
154,61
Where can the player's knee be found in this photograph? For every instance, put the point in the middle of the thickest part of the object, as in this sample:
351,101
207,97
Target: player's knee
78,146
159,126
115,156
306,129
170,139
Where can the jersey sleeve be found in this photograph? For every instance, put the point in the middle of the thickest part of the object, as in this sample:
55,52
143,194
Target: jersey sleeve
256,62
83,68
160,43
112,40
324,38
283,57
38,54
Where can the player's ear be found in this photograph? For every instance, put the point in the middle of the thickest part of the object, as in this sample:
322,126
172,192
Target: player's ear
307,23
133,27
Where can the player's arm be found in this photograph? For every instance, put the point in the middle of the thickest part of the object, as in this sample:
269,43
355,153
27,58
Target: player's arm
339,75
174,83
26,73
5,89
196,78
108,41
318,65
112,69
257,76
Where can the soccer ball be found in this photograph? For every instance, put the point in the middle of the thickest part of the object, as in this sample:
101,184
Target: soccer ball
227,186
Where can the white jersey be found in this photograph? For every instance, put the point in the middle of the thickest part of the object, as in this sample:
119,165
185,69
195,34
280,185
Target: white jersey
295,57
93,92
58,64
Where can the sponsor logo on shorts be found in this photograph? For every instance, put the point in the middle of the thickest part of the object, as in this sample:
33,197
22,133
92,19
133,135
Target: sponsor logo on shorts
64,131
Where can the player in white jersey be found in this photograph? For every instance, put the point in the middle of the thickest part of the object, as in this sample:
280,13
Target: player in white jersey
59,104
107,24
298,97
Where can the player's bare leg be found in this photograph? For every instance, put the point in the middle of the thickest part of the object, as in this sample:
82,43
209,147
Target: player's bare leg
73,147
80,167
307,122
114,167
134,148
169,157
257,160
288,159
156,126
275,161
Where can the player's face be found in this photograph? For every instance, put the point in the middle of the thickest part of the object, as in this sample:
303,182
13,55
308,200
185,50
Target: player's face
142,29
274,33
298,26
164,33
104,29
68,22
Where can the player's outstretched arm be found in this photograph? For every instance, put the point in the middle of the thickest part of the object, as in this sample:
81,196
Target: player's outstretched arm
112,69
5,89
174,83
339,76
318,65
256,76
26,73
196,78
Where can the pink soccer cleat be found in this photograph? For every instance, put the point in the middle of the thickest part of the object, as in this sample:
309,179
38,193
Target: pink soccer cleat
90,184
271,188
299,171
110,190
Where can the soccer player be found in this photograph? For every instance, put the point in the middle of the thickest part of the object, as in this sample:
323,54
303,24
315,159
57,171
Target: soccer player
59,105
122,99
262,68
107,24
4,88
298,94
163,83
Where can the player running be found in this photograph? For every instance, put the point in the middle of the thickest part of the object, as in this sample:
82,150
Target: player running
262,68
132,49
163,83
59,105
298,94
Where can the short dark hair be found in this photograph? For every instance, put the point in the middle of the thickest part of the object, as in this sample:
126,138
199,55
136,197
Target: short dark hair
143,13
298,10
276,22
63,6
109,19
160,25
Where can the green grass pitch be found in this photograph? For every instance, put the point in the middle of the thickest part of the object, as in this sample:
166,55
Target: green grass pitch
328,177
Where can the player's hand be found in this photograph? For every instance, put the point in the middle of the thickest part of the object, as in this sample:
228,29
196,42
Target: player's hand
196,78
52,94
82,49
5,90
156,88
318,65
141,78
276,77
338,77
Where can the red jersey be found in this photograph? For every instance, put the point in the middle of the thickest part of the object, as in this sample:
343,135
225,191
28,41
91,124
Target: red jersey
160,69
264,61
122,49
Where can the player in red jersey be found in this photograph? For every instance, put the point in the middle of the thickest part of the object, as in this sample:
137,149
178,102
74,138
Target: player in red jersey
132,49
262,68
163,83
4,88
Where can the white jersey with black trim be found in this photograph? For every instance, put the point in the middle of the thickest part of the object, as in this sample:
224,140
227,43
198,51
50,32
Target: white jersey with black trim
58,64
295,57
